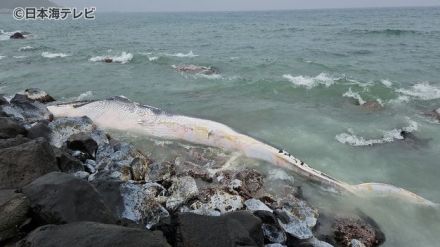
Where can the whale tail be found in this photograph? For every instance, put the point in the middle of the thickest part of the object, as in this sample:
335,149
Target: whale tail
387,190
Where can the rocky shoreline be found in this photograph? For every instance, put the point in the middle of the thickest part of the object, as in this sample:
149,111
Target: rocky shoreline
64,182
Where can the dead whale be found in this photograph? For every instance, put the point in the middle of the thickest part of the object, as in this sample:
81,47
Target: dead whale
119,113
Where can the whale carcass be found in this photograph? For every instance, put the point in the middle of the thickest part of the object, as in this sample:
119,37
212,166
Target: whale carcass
119,113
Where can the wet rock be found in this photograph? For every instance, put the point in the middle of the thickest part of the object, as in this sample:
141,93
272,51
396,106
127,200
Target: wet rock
182,190
10,128
195,69
27,110
38,95
300,209
273,233
40,129
82,175
12,142
139,168
67,163
17,35
215,199
356,243
13,214
110,192
58,198
340,230
313,242
252,182
234,229
91,234
256,205
108,60
82,142
63,128
160,172
274,245
293,226
23,163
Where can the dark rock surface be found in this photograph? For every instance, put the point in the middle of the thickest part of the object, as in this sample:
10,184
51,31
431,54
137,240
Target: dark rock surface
84,143
61,198
23,163
10,128
12,142
17,35
38,95
14,209
91,234
40,129
233,229
67,163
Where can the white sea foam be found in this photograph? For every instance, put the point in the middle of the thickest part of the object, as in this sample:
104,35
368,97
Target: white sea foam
388,136
423,91
53,55
354,95
209,77
387,83
85,96
279,174
311,82
153,58
189,54
20,57
125,57
399,100
26,48
1,57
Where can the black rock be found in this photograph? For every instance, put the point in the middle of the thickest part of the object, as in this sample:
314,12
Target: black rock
110,192
233,229
67,163
14,210
17,35
58,198
29,110
12,142
40,129
10,128
23,163
82,142
91,234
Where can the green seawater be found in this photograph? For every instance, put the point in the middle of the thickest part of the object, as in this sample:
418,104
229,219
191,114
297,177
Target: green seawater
282,79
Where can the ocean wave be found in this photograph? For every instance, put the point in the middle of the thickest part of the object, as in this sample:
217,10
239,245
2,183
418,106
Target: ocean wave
388,136
1,57
53,55
151,57
387,83
399,100
209,77
385,31
26,48
423,91
311,82
354,95
125,57
189,54
85,96
20,57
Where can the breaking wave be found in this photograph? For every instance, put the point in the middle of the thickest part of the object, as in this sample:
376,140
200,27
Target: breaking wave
85,96
26,48
125,57
423,91
53,55
386,32
387,83
1,57
354,95
311,82
388,136
189,54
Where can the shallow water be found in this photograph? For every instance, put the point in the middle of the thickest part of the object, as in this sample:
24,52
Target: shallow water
288,78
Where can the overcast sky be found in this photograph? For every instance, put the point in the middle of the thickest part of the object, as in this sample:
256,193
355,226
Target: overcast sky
236,5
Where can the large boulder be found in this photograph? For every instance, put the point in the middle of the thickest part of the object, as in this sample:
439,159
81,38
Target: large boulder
233,229
10,128
38,95
39,129
12,142
62,198
14,208
67,163
21,164
91,234
27,110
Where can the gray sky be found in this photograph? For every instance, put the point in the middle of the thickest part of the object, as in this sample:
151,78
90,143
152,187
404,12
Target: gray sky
236,5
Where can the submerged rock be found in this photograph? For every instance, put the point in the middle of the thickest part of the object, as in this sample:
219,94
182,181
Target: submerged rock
160,172
61,198
293,226
38,95
372,105
91,234
195,69
256,205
